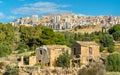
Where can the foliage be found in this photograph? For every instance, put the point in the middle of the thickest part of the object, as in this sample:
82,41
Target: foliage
32,54
112,62
116,36
24,38
7,33
101,48
40,35
72,37
111,49
27,38
106,40
26,60
23,48
11,71
64,59
114,29
48,37
5,50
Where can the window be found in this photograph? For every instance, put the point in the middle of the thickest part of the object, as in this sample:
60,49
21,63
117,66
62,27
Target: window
40,51
39,61
90,50
74,51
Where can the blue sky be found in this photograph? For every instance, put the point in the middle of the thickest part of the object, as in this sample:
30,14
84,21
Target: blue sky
13,9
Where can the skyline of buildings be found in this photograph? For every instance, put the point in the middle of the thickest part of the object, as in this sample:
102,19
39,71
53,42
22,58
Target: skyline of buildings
66,21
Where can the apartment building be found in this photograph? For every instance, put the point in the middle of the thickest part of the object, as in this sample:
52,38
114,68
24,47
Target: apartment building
67,21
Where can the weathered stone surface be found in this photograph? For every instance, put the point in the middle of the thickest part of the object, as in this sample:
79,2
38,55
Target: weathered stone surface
23,73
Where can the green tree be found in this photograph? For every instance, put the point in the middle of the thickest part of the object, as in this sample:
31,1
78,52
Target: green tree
106,40
112,62
114,29
48,37
26,33
64,59
59,38
116,36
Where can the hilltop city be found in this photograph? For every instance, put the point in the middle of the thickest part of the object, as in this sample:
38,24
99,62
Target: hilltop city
67,21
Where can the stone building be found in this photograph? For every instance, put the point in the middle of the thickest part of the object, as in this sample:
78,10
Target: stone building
85,52
48,54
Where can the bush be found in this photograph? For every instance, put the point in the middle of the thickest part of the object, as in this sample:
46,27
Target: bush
11,71
32,54
111,49
116,36
112,62
5,50
14,71
64,60
106,40
23,48
114,29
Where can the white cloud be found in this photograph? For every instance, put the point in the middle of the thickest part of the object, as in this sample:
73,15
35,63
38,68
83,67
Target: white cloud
11,17
82,15
41,8
1,15
1,2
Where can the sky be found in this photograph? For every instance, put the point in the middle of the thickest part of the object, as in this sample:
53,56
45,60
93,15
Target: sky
14,9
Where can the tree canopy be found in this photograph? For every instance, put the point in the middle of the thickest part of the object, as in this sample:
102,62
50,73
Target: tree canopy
106,40
116,36
114,29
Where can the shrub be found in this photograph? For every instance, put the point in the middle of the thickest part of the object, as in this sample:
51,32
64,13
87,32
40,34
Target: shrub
5,50
11,71
112,62
116,36
114,29
106,40
101,48
111,49
64,59
23,48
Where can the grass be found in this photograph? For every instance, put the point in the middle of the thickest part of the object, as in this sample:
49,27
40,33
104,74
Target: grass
113,73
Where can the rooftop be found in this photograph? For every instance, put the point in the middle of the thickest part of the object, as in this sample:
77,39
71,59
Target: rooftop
86,43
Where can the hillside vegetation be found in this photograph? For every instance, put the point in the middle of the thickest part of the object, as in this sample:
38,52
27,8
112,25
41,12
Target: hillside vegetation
25,38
